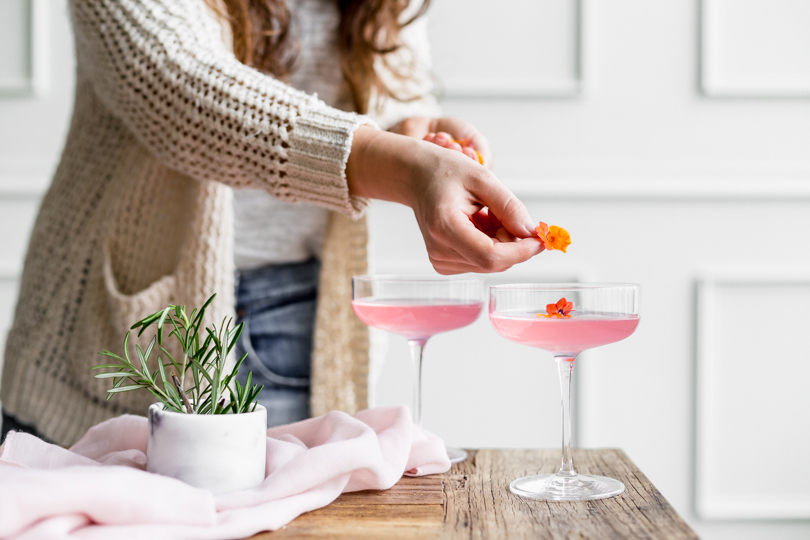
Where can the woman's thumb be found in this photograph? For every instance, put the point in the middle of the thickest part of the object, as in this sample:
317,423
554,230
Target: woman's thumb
507,208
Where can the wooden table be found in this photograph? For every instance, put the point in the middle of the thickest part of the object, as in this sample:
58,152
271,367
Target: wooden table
473,501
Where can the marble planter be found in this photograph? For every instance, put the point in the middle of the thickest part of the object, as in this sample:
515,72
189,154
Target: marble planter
221,453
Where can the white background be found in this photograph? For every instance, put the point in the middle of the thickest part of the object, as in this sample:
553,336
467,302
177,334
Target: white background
671,138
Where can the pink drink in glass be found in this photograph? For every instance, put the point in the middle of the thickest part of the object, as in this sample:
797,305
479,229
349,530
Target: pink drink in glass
564,336
416,319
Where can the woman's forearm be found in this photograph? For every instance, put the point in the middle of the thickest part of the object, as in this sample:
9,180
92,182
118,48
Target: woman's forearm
199,111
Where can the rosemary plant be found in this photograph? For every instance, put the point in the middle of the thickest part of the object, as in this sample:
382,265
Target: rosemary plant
204,355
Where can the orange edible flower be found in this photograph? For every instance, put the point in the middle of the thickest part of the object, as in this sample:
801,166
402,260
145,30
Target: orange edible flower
558,238
553,237
561,310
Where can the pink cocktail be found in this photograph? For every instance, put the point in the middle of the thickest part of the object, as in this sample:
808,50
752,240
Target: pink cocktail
567,337
565,319
418,307
416,319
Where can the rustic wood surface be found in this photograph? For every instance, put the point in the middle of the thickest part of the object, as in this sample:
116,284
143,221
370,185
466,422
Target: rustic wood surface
473,501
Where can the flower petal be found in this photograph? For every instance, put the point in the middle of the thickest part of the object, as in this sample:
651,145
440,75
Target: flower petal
541,230
559,238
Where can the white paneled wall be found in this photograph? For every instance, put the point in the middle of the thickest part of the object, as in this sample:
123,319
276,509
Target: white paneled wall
753,402
671,138
755,48
17,213
24,41
36,92
548,35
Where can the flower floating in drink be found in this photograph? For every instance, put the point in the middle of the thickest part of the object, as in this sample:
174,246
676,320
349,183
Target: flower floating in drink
418,308
561,309
565,319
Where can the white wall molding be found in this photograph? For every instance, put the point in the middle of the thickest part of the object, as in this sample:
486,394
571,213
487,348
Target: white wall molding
529,87
708,189
531,180
658,181
23,178
715,80
458,88
35,81
10,271
712,499
20,189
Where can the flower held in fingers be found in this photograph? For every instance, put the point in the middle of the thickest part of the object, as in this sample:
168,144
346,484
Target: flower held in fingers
553,237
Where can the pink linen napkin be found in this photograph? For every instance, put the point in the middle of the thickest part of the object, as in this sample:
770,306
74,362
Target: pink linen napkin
98,489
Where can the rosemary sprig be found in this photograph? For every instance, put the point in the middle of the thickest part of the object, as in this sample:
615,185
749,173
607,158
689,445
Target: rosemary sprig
211,391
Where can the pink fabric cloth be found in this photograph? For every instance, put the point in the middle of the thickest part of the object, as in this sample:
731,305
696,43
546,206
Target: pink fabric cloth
99,489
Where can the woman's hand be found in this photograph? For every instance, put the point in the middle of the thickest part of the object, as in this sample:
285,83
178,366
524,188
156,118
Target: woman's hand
420,127
445,140
447,192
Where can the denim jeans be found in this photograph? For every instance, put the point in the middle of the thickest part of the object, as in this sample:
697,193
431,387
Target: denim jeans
277,304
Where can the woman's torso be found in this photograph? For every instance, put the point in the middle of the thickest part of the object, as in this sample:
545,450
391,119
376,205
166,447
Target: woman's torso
270,231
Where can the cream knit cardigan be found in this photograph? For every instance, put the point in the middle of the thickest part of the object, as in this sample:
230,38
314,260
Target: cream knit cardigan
140,213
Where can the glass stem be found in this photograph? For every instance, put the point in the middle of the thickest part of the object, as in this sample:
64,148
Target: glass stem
416,346
566,366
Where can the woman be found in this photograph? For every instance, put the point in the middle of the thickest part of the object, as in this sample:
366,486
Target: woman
169,115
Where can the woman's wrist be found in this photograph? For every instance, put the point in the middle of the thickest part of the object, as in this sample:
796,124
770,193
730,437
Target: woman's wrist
382,165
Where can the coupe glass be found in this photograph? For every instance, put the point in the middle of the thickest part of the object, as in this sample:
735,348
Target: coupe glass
418,307
601,313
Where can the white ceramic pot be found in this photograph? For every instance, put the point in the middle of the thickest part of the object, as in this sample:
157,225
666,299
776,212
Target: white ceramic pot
221,453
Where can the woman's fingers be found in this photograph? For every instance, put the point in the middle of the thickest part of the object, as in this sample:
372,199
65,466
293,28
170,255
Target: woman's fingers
445,262
484,253
481,144
449,196
450,269
482,222
443,138
445,256
467,135
504,205
486,222
502,235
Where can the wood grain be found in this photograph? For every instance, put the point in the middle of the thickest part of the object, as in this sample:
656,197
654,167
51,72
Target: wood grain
472,501
479,504
413,508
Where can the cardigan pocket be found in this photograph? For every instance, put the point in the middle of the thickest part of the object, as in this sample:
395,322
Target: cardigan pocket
126,309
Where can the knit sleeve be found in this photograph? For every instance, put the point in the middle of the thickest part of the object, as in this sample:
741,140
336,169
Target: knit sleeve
161,67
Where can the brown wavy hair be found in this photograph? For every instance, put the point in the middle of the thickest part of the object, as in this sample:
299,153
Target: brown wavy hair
369,32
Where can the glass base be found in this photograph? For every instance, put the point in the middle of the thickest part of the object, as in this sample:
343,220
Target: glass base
456,455
580,487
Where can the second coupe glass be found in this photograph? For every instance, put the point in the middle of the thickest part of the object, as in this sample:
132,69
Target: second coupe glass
565,319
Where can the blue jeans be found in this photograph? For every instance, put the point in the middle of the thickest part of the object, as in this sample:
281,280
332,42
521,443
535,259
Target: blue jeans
277,304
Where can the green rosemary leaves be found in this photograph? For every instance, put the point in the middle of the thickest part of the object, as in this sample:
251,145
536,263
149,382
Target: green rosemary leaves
211,389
